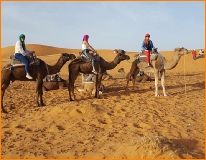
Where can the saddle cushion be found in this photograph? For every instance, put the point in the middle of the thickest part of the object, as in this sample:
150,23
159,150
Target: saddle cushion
33,61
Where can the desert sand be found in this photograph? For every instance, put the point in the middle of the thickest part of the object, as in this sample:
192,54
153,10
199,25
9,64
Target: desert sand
121,124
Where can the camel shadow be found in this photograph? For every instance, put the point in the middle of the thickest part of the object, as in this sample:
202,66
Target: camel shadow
199,57
118,89
186,147
196,74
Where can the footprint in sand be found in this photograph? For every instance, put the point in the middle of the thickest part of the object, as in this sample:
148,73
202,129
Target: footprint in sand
60,127
20,126
102,121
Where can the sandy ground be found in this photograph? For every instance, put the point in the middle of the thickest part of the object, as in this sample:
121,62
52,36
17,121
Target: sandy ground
121,124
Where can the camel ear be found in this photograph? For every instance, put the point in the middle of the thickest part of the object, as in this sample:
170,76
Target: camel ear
115,51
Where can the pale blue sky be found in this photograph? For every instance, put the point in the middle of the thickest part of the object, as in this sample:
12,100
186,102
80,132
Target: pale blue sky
110,25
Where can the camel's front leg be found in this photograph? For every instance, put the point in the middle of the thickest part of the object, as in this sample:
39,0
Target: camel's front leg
5,82
128,77
2,96
73,74
134,77
39,93
156,83
98,83
162,74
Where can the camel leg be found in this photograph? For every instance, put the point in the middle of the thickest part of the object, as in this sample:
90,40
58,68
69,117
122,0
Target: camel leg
98,83
5,82
39,92
162,74
156,83
131,73
72,78
134,77
127,79
2,96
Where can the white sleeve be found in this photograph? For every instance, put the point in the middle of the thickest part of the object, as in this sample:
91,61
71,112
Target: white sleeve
19,49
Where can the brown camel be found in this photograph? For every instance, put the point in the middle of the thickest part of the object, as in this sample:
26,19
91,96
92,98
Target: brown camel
77,66
38,73
157,66
142,78
54,82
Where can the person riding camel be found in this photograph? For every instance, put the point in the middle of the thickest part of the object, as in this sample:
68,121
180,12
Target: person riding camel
21,54
147,47
86,47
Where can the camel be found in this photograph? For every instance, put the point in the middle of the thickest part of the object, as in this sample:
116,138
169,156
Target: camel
38,73
142,78
77,66
53,84
158,66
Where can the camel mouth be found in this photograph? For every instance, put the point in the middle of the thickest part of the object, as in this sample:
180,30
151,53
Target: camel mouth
127,57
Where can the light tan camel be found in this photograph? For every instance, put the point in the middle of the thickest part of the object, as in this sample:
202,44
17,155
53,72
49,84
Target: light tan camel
157,66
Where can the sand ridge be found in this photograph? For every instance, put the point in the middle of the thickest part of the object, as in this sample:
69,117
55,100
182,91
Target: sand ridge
119,125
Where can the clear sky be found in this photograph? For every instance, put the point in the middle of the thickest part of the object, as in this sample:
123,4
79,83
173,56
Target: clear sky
110,25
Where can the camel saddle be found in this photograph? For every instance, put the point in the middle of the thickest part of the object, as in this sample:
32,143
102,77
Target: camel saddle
85,58
52,78
34,61
143,58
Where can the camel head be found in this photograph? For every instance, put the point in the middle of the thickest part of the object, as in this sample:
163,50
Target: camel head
121,55
67,57
181,51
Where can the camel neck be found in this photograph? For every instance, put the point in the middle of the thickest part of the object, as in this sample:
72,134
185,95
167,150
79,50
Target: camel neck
113,64
55,68
168,65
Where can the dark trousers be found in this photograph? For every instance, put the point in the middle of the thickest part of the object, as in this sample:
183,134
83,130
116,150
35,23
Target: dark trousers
86,52
23,59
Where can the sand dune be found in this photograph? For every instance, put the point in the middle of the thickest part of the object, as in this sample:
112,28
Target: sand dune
119,125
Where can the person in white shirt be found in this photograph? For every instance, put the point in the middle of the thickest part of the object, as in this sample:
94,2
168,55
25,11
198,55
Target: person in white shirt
86,47
21,52
201,53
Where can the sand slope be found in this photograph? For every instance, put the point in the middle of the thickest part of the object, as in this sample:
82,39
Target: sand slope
119,125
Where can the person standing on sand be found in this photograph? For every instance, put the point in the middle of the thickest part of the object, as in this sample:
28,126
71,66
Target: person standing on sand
147,47
86,47
21,53
194,54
